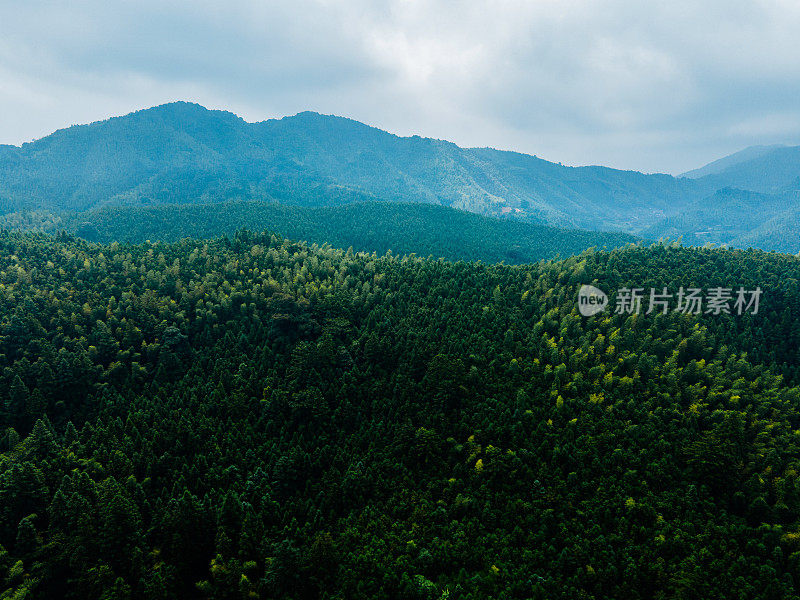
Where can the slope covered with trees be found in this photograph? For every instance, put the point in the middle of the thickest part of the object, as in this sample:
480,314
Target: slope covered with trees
732,161
765,169
737,218
257,418
421,229
183,153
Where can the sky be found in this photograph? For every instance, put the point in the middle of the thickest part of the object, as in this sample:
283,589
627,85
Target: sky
656,86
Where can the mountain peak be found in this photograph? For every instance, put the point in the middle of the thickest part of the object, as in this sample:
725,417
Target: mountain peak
718,166
177,105
182,109
311,117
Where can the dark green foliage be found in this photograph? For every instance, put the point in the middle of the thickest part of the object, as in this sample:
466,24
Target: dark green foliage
419,229
253,417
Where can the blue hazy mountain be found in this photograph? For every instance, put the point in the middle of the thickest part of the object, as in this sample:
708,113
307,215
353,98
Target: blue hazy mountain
757,203
739,218
765,169
732,160
184,153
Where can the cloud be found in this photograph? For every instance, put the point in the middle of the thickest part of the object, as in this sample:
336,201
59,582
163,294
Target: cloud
657,86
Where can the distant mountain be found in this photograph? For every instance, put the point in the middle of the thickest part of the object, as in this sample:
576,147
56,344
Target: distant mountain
738,218
184,153
769,170
721,165
422,229
757,202
780,232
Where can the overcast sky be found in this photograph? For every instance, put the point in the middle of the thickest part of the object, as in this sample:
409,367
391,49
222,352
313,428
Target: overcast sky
646,85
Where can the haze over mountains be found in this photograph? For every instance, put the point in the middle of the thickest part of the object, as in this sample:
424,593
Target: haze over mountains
732,160
183,153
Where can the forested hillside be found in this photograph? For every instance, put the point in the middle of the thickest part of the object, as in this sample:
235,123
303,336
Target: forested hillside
737,218
421,229
732,161
257,418
184,153
768,170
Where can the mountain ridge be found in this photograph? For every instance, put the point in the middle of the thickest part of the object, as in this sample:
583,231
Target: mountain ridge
717,166
178,152
773,171
184,153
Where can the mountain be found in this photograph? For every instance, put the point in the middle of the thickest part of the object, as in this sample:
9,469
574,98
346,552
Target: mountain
184,153
756,204
780,232
769,170
728,162
737,218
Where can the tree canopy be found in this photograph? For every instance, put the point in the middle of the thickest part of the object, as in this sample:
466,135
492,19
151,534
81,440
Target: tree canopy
259,418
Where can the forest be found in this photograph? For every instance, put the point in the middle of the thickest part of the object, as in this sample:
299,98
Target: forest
409,228
255,417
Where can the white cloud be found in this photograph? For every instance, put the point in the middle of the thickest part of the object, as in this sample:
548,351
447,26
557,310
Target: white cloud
653,86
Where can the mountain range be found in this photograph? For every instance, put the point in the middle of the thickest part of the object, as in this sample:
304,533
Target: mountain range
182,153
300,408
